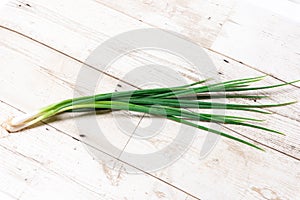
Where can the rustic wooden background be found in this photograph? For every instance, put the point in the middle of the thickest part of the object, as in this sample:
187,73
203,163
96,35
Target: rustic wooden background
44,44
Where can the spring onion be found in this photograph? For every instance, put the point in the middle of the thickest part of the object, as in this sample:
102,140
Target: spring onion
172,103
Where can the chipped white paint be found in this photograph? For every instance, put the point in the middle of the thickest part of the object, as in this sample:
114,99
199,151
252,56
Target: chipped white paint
46,162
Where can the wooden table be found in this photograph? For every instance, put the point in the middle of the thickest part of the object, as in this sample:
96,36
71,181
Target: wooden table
43,46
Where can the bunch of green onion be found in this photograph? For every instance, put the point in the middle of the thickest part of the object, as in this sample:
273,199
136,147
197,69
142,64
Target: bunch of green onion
172,103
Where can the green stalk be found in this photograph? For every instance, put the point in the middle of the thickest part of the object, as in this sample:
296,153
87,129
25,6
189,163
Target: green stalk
171,103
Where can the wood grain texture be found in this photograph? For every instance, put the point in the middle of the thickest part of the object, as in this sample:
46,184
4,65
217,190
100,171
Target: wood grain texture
46,163
264,35
267,40
44,45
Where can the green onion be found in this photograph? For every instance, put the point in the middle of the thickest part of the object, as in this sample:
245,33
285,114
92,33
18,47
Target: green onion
172,103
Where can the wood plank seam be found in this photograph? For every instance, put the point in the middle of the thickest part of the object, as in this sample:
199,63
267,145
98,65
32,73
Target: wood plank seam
265,145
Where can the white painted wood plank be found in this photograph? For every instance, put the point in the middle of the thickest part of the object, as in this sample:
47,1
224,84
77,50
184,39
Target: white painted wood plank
87,24
230,170
18,174
45,163
199,20
263,34
41,15
96,25
4,195
263,39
